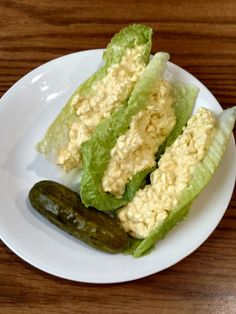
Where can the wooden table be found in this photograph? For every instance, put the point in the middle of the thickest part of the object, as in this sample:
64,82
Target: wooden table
201,37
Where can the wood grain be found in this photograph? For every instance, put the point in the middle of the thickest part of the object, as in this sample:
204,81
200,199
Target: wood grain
201,37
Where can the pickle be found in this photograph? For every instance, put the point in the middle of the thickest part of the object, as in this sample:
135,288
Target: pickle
64,208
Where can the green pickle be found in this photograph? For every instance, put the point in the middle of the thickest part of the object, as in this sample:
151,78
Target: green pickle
64,208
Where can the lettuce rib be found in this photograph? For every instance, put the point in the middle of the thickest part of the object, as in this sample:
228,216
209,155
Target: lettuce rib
201,177
96,151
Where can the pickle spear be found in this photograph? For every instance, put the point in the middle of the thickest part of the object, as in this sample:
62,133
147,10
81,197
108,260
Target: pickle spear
64,208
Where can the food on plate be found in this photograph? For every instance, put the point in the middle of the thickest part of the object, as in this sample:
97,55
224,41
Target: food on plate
183,171
64,208
121,151
103,93
126,122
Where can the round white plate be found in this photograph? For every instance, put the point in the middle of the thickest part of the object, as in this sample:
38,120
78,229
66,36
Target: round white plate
26,110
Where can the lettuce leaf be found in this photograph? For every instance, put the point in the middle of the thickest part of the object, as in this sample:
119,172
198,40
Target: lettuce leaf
56,137
201,177
184,96
96,151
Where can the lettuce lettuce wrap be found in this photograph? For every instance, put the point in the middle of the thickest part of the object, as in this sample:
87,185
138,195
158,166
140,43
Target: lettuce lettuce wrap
125,59
183,171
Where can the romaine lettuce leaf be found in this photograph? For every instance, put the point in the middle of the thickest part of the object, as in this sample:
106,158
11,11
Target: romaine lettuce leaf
96,151
184,96
56,137
201,177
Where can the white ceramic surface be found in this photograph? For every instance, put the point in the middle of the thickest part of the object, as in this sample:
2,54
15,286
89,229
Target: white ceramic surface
25,112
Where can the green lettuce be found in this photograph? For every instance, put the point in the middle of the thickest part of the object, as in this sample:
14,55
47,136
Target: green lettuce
203,173
184,96
56,137
96,151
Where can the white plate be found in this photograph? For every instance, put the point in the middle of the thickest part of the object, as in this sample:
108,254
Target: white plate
25,112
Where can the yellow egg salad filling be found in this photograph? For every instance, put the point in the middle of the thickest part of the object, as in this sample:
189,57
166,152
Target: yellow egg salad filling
107,95
152,204
135,150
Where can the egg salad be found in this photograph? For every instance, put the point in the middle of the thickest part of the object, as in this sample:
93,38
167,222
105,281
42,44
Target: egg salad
107,95
135,150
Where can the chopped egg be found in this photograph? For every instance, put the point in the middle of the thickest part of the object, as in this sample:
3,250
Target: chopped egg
107,95
152,204
135,150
